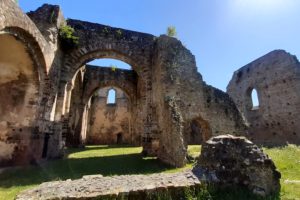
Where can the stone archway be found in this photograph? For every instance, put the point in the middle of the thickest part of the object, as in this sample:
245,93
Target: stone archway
97,41
95,78
22,68
111,123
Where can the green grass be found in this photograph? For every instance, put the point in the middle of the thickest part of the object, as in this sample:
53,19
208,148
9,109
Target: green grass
117,160
287,161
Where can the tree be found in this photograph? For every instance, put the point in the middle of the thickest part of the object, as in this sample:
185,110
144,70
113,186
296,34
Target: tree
171,31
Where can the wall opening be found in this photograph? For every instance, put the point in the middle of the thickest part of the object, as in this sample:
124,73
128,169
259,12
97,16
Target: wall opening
254,99
199,132
103,107
111,96
108,125
110,63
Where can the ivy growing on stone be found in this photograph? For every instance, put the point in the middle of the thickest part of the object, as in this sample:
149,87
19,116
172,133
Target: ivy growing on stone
106,30
119,33
67,37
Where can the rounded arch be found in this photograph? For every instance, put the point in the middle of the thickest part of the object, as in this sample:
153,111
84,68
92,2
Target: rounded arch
21,89
113,85
33,48
73,62
252,98
109,123
199,131
111,96
75,82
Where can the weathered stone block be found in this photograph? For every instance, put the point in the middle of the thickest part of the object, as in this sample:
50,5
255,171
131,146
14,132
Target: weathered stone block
228,161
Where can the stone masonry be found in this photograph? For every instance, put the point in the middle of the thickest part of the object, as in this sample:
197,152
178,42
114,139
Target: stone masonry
235,161
275,77
168,98
116,187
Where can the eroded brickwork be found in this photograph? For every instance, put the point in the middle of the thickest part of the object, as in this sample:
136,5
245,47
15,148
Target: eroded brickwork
170,105
111,123
275,77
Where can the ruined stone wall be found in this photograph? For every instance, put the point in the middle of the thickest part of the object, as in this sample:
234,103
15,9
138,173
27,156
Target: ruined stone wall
27,85
19,89
175,77
275,76
167,94
111,123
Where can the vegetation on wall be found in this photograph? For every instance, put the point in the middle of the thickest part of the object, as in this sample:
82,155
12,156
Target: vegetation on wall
113,68
67,37
171,31
119,33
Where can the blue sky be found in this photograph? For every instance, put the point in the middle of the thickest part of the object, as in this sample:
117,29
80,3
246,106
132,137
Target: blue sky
224,35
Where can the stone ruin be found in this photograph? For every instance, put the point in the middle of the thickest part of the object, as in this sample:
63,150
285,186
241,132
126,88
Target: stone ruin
227,160
46,90
275,77
224,161
49,94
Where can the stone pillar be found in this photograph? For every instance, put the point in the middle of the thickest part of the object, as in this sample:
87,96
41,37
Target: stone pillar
67,103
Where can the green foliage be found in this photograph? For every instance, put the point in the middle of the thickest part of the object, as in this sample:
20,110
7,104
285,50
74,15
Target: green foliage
68,38
171,31
52,16
119,33
17,1
106,30
113,68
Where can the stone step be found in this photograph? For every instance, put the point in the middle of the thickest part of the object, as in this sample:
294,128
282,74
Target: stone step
115,187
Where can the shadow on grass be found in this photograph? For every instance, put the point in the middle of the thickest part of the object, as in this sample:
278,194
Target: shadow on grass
76,168
237,192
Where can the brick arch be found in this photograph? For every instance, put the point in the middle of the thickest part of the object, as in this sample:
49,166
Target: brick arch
26,93
33,48
18,23
73,62
99,77
112,84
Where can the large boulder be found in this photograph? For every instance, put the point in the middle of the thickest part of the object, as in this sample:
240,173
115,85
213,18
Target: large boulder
230,161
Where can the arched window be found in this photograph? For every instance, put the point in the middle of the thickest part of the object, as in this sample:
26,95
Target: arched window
255,101
111,96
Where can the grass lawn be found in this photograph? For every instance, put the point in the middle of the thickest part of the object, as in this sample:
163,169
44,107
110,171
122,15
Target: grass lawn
117,160
287,160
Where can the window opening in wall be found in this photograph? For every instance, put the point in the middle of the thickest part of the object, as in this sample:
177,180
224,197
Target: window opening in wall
111,96
110,63
255,101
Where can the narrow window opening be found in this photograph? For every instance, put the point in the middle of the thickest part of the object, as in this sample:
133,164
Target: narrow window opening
255,101
111,96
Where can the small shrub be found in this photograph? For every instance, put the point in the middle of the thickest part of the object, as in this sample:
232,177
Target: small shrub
106,30
68,38
119,33
171,31
113,68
